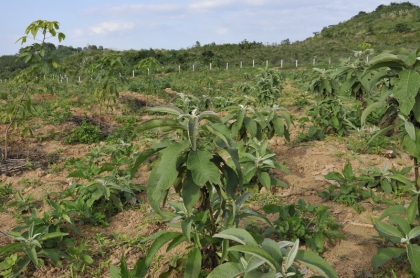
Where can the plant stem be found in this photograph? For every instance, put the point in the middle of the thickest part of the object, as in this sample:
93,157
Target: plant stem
9,126
417,182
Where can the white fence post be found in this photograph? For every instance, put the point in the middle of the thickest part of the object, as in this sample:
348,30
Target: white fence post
179,68
296,63
133,73
227,66
253,63
266,63
210,66
241,65
313,62
281,63
193,67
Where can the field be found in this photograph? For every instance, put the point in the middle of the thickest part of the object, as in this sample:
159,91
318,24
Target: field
81,180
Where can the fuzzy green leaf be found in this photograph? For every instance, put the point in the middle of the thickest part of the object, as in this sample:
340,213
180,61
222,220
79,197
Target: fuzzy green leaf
413,252
165,174
388,230
315,262
406,89
202,169
384,255
254,251
239,235
193,265
227,270
265,179
190,192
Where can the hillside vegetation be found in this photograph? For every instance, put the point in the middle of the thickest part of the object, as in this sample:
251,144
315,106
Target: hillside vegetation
387,27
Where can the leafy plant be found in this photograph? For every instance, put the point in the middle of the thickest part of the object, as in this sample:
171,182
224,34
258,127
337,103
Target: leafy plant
350,192
323,85
258,161
86,133
402,232
309,223
329,115
28,246
20,107
248,258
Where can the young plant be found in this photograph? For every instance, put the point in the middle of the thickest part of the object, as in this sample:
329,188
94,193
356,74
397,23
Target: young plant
248,258
29,247
18,109
309,223
403,234
350,192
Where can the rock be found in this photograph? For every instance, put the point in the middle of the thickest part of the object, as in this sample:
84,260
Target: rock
349,215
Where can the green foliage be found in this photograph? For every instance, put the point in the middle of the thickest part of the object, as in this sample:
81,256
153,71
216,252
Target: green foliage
86,133
266,259
402,233
29,248
349,192
330,116
323,85
309,223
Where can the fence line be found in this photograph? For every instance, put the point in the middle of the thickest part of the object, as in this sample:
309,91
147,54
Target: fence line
198,66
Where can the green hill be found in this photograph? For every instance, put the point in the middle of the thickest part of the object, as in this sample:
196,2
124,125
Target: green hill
387,27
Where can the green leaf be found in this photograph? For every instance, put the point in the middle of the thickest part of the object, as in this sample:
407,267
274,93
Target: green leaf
52,235
31,252
159,123
370,109
398,209
165,174
140,158
412,210
193,265
166,109
52,255
315,262
237,234
401,222
384,255
278,126
114,272
415,232
388,230
227,270
202,169
11,248
292,255
143,265
406,89
251,126
413,252
186,229
265,179
254,251
348,171
190,192
271,247
277,182
334,176
409,127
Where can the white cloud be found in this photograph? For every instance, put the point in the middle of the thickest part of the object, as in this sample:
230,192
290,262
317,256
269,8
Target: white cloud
211,4
111,26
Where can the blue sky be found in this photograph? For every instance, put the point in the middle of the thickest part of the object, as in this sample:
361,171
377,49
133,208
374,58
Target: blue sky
170,24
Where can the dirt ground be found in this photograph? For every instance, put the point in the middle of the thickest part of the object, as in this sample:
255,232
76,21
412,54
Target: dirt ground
307,162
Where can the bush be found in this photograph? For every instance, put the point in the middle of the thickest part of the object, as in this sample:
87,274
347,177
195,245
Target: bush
86,133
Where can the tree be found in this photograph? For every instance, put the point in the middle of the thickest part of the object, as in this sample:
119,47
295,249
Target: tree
22,105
